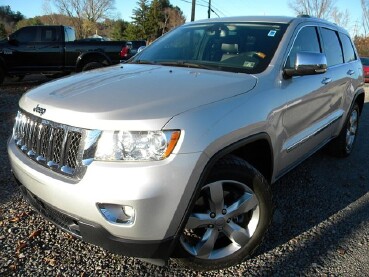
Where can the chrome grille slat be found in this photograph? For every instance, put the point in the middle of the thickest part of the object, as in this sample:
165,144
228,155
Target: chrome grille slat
55,146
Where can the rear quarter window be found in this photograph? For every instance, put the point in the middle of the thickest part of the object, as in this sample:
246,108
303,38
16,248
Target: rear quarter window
348,49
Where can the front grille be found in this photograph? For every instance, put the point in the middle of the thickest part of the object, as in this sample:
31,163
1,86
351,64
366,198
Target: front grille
55,146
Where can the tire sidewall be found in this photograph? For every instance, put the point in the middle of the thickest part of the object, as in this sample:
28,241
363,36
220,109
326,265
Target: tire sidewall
242,172
354,107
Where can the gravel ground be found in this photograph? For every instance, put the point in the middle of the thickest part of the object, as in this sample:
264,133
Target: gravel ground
320,226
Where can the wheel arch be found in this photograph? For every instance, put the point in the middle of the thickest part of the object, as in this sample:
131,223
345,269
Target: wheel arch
255,149
360,99
86,58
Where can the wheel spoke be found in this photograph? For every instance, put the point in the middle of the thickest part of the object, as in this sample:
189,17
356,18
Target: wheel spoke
351,131
206,245
353,123
236,234
197,220
216,200
244,204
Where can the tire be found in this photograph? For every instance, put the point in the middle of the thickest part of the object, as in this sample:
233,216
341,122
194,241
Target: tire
229,219
92,65
343,145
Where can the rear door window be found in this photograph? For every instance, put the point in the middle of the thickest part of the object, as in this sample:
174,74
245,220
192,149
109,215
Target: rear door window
332,47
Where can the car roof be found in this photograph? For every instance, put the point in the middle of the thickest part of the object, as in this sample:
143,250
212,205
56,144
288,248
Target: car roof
271,19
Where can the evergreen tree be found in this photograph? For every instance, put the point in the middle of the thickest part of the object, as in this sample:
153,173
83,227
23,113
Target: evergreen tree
118,29
140,20
151,20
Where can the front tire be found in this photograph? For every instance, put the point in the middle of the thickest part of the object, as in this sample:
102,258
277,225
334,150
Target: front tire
229,219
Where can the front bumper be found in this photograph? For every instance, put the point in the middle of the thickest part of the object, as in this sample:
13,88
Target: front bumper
95,234
158,191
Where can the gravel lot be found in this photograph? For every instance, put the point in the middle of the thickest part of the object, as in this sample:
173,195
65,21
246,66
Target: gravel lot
320,227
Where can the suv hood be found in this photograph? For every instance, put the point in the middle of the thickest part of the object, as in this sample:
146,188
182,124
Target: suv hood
131,96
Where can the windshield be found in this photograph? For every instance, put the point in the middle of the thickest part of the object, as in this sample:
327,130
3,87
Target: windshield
236,47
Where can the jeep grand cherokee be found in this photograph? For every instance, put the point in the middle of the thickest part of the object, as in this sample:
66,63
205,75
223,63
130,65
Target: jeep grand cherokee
172,154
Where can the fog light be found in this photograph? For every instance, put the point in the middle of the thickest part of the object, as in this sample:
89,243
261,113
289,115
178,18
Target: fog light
117,214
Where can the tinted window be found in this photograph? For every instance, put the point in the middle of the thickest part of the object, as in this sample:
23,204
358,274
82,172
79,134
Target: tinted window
48,34
306,41
332,47
348,50
365,61
26,35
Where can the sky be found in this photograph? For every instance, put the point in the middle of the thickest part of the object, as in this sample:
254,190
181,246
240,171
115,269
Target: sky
31,8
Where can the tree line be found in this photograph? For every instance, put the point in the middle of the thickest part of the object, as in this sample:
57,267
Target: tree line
153,18
150,19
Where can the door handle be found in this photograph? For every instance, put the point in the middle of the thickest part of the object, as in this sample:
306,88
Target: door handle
326,81
350,72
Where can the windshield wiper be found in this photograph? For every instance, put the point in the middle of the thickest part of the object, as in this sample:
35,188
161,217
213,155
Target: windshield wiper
185,64
144,62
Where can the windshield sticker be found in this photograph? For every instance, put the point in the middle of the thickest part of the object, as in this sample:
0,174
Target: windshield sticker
272,33
248,64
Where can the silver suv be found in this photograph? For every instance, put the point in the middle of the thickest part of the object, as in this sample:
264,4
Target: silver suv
172,153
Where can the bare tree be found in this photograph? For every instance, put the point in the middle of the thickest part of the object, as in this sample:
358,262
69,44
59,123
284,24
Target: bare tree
365,8
317,8
95,10
341,18
173,17
46,7
84,13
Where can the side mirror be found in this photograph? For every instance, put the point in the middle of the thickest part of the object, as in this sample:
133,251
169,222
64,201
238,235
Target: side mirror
307,63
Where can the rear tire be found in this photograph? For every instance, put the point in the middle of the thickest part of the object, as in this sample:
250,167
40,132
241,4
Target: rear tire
229,219
342,146
92,65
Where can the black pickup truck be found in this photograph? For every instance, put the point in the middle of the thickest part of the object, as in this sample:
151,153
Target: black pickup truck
53,50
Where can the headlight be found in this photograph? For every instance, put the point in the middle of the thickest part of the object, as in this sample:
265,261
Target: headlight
136,145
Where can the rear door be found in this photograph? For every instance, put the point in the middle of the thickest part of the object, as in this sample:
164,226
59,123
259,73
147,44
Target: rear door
340,72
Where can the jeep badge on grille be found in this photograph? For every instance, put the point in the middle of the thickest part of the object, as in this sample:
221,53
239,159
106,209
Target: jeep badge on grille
39,110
